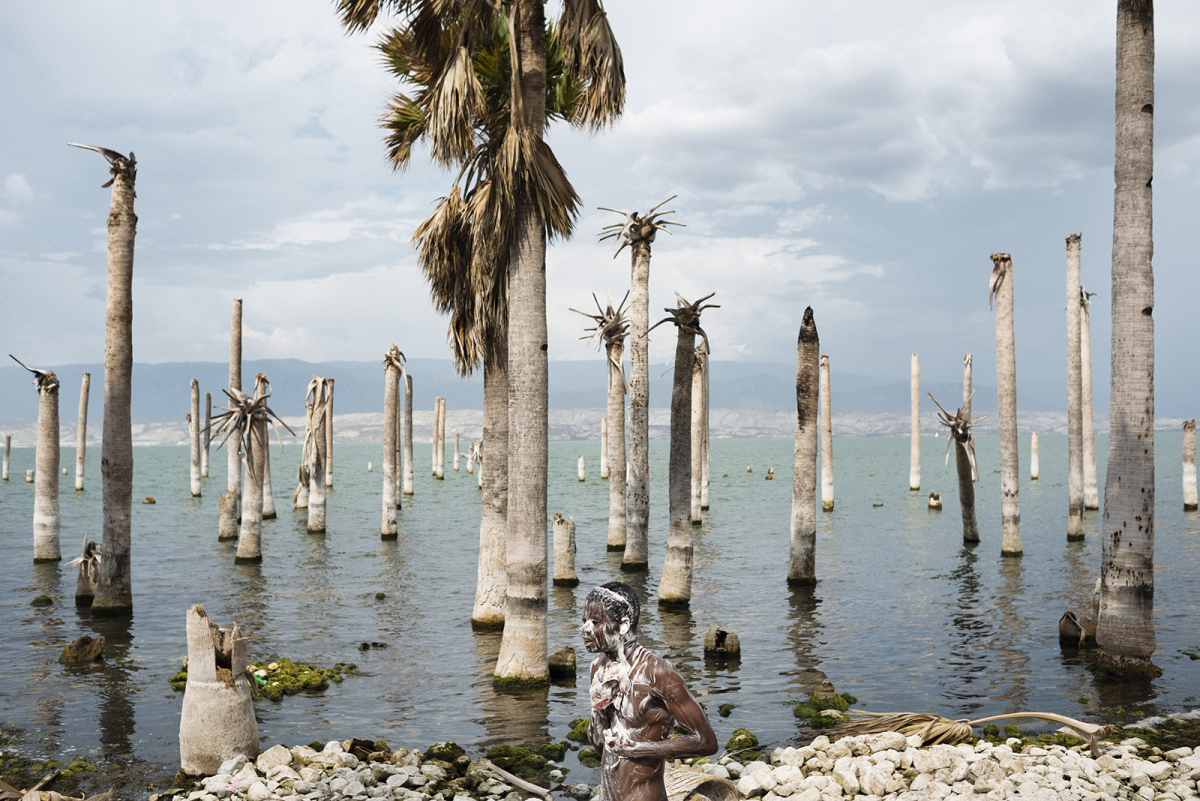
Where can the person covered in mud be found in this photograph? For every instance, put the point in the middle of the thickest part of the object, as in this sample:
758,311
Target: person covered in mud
637,699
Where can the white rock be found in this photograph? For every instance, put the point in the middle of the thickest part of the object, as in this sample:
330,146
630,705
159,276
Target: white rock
811,794
751,768
333,747
720,771
354,787
281,773
914,741
873,781
303,752
432,772
1176,754
844,773
734,768
819,743
842,748
890,740
787,773
233,764
310,774
337,784
347,760
275,755
258,792
751,784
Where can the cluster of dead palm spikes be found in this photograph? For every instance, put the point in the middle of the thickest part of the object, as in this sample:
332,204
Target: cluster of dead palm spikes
686,316
960,425
612,325
42,379
241,413
638,228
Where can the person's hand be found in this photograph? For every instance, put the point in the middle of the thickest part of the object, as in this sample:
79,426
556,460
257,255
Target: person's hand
621,745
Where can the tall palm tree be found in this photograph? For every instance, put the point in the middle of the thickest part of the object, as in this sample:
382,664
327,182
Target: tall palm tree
612,327
1001,290
114,584
802,567
675,587
1125,626
46,521
638,233
1074,396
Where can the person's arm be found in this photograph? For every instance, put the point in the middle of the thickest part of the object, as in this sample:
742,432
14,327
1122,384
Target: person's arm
698,739
598,722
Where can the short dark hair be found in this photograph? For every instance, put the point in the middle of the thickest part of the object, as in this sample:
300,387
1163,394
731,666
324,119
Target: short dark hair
618,600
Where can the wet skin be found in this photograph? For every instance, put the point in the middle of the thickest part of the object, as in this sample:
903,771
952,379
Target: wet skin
632,735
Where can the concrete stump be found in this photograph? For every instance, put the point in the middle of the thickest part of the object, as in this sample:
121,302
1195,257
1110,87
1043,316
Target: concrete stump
564,551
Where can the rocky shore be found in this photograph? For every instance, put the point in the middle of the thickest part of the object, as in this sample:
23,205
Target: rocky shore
868,767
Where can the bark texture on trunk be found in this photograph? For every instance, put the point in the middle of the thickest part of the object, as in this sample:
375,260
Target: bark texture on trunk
802,567
1125,628
193,439
204,438
268,493
604,448
826,438
564,551
433,440
524,657
696,427
1074,396
46,521
491,583
7,455
1091,492
1189,465
704,444
1034,461
408,435
581,471
675,586
967,394
316,473
300,494
81,432
966,492
637,543
329,432
456,447
114,585
249,546
391,400
1006,406
914,448
230,508
616,447
400,439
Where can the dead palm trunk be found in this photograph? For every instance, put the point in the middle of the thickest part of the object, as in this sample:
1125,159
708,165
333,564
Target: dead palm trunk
696,427
1074,397
1189,465
408,434
704,444
400,439
675,586
441,440
1006,386
963,441
329,432
300,494
7,453
433,442
491,583
1125,628
564,551
604,448
81,431
249,546
314,454
207,429
802,568
230,513
967,394
392,373
1091,494
914,447
114,588
456,453
193,439
46,523
1034,465
826,439
268,494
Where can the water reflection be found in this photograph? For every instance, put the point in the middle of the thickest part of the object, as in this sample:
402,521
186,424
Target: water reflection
972,629
1008,682
45,626
512,717
113,681
803,638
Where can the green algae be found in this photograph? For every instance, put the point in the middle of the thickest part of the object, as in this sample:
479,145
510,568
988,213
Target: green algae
285,678
579,730
811,709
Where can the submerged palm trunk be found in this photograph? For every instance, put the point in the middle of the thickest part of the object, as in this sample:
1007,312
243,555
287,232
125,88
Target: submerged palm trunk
456,454
81,431
914,447
1125,628
696,469
315,456
966,491
7,453
204,439
564,551
704,444
329,432
967,394
1006,387
268,494
604,448
1091,493
959,436
441,438
408,434
300,494
1034,466
581,471
1074,397
1189,465
401,438
46,524
249,546
826,439
391,401
433,438
114,587
194,438
637,542
230,512
802,568
491,583
615,348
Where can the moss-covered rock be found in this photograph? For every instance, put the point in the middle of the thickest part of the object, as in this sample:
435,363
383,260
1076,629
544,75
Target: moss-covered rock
42,600
724,710
282,677
742,740
524,762
553,751
447,751
579,730
589,758
819,711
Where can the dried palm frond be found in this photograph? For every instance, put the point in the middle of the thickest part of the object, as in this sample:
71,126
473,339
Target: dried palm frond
315,401
44,380
456,101
118,164
1001,264
637,228
522,169
88,562
612,326
240,417
686,316
591,54
444,253
934,729
960,425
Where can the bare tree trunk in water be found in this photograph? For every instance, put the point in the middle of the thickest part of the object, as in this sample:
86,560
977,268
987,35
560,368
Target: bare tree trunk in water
1189,465
433,442
826,438
401,438
603,448
456,447
329,432
268,493
1074,397
204,438
1125,628
230,513
193,439
300,494
46,521
7,454
914,447
1091,493
564,551
249,546
408,435
81,432
1034,466
704,444
696,427
391,400
316,475
616,446
968,393
1006,387
637,542
966,492
492,577
802,568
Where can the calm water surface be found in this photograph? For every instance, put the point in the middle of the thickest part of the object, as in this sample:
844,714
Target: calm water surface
904,616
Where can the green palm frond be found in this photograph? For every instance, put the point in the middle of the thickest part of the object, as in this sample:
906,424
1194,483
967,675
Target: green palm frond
405,123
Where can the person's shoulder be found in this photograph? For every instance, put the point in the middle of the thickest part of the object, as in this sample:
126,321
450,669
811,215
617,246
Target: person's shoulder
599,661
660,666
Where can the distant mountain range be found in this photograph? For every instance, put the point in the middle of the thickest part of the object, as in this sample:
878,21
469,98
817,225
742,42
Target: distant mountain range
161,391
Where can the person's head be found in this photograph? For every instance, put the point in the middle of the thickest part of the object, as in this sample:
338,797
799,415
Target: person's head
610,617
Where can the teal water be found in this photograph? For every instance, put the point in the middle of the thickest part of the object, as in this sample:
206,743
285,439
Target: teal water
904,616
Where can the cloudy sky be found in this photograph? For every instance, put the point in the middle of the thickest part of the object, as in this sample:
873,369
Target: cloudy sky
864,158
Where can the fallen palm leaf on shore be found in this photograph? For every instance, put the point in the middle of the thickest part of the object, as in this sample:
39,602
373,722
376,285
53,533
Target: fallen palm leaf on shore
934,729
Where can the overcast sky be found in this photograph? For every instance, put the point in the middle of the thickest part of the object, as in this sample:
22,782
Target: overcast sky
864,158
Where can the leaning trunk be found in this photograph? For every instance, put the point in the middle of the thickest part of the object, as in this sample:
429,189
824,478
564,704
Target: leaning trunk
46,523
914,447
1091,493
696,428
1125,629
826,439
966,491
675,587
637,544
803,562
114,586
81,432
1074,397
1189,465
408,428
391,399
616,449
491,582
1006,387
193,440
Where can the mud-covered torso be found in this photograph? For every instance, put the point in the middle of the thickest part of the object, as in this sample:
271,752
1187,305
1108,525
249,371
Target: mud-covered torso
636,713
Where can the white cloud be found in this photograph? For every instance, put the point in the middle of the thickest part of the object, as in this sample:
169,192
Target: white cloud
17,189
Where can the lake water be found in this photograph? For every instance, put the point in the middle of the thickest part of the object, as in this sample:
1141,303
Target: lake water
904,616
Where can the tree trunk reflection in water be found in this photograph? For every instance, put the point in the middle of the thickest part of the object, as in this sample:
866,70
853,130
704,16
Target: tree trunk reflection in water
803,635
